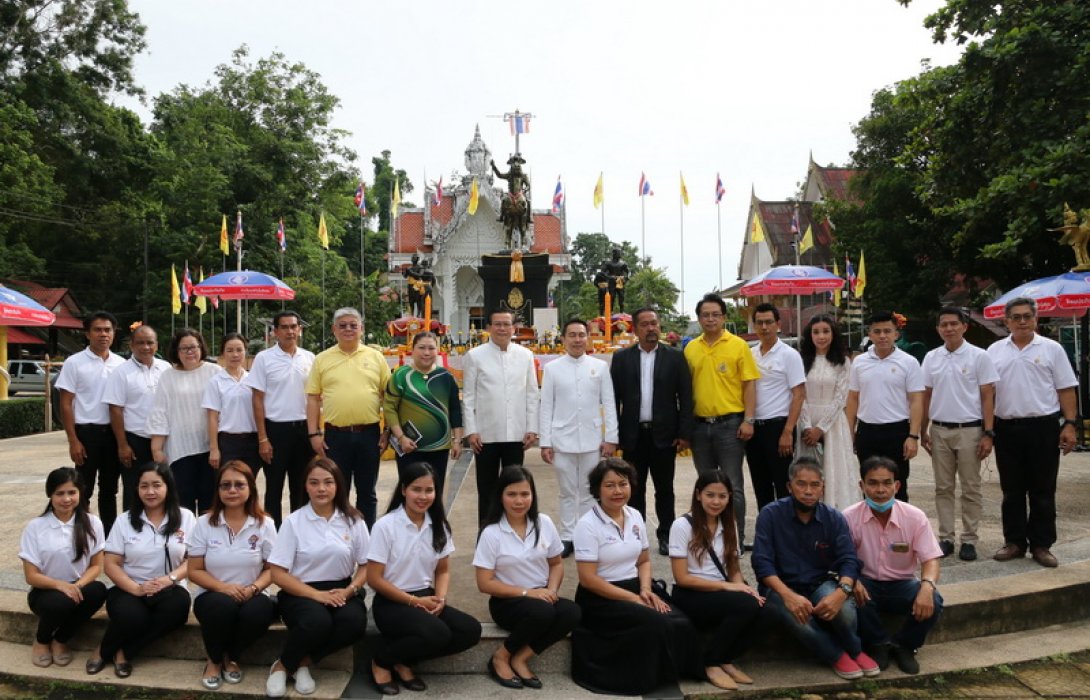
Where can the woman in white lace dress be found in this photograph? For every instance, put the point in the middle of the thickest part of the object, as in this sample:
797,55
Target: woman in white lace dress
823,427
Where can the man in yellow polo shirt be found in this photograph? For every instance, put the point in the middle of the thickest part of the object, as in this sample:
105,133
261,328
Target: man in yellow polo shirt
724,399
344,398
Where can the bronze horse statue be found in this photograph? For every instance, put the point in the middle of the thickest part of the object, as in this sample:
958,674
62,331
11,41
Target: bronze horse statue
515,208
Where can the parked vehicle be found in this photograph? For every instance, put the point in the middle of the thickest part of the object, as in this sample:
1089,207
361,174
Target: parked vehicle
29,376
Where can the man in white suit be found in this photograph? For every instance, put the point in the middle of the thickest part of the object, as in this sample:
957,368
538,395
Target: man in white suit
578,423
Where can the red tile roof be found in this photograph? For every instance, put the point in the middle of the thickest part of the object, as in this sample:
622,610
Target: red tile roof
58,300
442,213
409,232
835,182
776,220
17,336
547,236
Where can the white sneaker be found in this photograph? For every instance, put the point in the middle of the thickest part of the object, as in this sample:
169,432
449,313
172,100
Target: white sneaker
304,682
277,684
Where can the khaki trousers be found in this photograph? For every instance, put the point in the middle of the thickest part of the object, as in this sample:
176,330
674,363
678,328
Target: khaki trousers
953,458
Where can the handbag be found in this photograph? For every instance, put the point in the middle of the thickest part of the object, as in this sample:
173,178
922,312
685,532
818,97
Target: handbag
711,551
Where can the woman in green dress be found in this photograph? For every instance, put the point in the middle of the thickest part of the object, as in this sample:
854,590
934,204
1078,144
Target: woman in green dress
423,411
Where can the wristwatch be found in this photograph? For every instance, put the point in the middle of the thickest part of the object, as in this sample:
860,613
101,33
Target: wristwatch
1069,421
172,577
751,420
848,588
989,433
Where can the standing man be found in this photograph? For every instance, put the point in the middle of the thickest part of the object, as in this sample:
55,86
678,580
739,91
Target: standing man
892,539
86,420
499,403
277,378
578,424
959,399
344,404
1036,389
654,394
781,391
129,396
885,399
724,399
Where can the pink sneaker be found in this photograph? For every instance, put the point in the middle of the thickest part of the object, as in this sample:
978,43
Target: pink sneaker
847,669
867,665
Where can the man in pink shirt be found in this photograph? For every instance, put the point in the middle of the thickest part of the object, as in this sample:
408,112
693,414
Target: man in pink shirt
892,538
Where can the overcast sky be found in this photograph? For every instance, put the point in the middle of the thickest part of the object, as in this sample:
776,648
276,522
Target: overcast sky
746,88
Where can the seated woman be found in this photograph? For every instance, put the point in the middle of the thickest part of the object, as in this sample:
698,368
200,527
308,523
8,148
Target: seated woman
708,581
409,570
145,558
630,640
61,551
228,563
518,564
319,562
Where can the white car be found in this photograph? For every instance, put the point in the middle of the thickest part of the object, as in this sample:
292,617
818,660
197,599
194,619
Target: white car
28,376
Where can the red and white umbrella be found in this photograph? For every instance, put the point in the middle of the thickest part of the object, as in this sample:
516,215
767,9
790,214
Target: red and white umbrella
1062,295
244,284
792,279
18,309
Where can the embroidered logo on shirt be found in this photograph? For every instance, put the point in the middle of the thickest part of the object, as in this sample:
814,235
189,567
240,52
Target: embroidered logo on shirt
179,536
254,539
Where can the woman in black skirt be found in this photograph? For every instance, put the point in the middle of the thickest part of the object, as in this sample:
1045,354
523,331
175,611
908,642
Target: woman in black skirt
630,640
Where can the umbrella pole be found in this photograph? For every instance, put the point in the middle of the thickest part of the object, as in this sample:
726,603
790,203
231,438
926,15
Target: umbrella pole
4,363
323,299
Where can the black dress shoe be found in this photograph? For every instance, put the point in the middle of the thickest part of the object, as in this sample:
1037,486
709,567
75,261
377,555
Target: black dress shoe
905,659
512,682
568,549
664,548
531,682
95,665
947,547
414,683
388,688
123,669
967,551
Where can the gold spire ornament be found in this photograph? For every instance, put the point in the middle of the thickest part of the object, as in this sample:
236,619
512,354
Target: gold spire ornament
1077,236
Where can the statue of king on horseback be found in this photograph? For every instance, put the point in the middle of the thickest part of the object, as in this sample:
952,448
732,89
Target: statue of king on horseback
515,209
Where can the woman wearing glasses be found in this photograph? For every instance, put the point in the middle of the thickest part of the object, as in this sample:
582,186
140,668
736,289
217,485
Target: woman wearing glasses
228,564
178,425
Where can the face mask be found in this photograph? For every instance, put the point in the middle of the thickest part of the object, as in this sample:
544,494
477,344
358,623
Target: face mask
802,507
879,507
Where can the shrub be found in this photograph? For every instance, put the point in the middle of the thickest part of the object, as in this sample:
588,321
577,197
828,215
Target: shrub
21,416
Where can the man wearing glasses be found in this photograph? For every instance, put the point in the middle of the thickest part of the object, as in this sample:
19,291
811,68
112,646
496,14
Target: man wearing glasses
724,399
1035,413
277,378
344,401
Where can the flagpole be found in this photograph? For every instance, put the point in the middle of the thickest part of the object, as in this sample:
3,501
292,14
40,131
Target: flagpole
238,267
282,302
719,235
363,273
187,299
643,227
681,210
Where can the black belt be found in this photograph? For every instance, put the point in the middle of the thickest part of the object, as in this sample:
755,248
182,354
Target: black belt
241,435
718,419
646,425
883,425
970,424
1029,420
99,427
766,421
289,423
358,428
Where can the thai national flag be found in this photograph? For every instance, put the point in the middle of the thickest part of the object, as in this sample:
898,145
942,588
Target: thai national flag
795,222
719,189
851,274
519,124
438,193
187,285
238,231
281,236
361,199
645,186
558,196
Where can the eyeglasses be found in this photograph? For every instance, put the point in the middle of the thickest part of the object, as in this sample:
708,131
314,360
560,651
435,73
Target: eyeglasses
348,326
189,348
1020,317
236,485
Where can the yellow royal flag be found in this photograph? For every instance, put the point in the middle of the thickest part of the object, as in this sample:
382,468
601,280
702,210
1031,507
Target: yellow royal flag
836,292
598,195
397,198
175,292
807,240
225,247
861,279
474,197
757,234
202,302
323,232
684,191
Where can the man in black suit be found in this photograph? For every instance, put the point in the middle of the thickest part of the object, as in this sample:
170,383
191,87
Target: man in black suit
654,395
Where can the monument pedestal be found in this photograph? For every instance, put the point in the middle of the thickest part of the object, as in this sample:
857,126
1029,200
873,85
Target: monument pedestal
520,298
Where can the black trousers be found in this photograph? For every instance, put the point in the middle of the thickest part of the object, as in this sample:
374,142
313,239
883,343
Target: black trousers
229,627
534,623
767,467
490,459
59,616
101,463
316,630
137,621
291,453
1027,455
658,463
436,458
240,446
141,451
887,440
358,457
196,481
733,618
410,635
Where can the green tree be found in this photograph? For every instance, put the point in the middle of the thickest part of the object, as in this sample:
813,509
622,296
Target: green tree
382,189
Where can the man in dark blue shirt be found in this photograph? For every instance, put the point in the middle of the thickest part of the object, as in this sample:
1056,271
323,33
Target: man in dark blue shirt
805,561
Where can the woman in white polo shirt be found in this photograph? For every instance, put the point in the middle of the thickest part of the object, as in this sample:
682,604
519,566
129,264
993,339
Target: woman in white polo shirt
62,557
229,402
409,570
709,587
228,564
319,562
145,558
518,564
630,640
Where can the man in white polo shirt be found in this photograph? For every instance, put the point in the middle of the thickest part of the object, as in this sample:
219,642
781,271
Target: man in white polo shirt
959,400
86,419
277,378
885,399
1036,390
780,393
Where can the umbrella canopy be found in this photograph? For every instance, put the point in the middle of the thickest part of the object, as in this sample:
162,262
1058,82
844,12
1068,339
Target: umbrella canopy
792,279
1062,295
244,284
20,310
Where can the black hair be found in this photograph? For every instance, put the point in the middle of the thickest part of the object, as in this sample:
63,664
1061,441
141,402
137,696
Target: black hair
572,322
285,314
764,308
170,503
424,335
340,496
877,462
881,317
710,298
641,310
232,336
963,317
802,463
701,541
834,355
172,350
99,316
440,528
513,475
610,464
82,532
493,312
